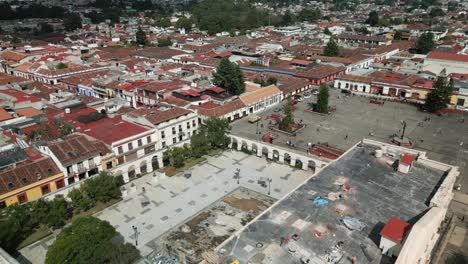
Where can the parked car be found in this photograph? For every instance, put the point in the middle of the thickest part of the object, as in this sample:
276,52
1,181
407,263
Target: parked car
299,98
315,92
307,95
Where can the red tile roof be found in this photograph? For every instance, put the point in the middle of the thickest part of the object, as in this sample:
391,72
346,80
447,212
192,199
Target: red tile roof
190,92
26,174
395,229
20,96
216,89
29,112
110,130
447,56
75,148
220,110
156,116
4,115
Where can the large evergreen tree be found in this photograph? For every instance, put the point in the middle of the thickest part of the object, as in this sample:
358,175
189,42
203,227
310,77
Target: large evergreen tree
72,22
322,99
141,37
373,18
331,49
425,43
229,76
288,117
438,98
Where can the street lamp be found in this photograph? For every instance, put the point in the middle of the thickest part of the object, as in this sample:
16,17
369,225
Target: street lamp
269,185
403,123
135,230
237,174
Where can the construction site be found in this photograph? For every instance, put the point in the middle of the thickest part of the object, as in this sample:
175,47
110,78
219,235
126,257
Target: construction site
196,238
377,203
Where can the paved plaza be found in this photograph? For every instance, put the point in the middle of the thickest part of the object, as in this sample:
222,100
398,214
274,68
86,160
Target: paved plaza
356,118
172,200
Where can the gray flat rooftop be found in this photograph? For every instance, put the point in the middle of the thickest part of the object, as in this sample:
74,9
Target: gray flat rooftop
371,191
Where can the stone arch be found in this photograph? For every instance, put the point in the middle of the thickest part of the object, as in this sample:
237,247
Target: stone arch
234,143
298,162
244,145
155,162
311,164
131,172
265,151
143,167
276,155
254,148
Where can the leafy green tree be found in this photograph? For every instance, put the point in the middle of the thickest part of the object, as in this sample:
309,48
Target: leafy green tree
436,12
229,76
331,49
16,224
288,118
58,213
452,6
217,131
288,18
309,15
199,143
163,22
185,23
322,99
86,240
61,66
425,43
79,200
46,28
178,156
438,98
398,35
72,21
141,37
102,188
373,18
327,31
164,42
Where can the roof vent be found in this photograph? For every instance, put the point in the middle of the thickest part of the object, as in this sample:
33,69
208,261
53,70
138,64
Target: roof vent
405,163
39,176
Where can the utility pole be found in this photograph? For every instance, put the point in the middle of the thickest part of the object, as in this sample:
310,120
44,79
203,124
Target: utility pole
403,122
269,185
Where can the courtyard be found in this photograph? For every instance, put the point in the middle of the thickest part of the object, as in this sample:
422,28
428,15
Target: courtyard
355,118
168,202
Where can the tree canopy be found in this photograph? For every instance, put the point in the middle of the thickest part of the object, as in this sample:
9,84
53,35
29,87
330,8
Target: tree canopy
185,23
72,22
141,37
373,18
229,76
86,240
288,117
331,49
322,99
425,43
438,98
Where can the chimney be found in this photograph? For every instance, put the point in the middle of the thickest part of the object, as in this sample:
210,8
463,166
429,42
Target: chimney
67,110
